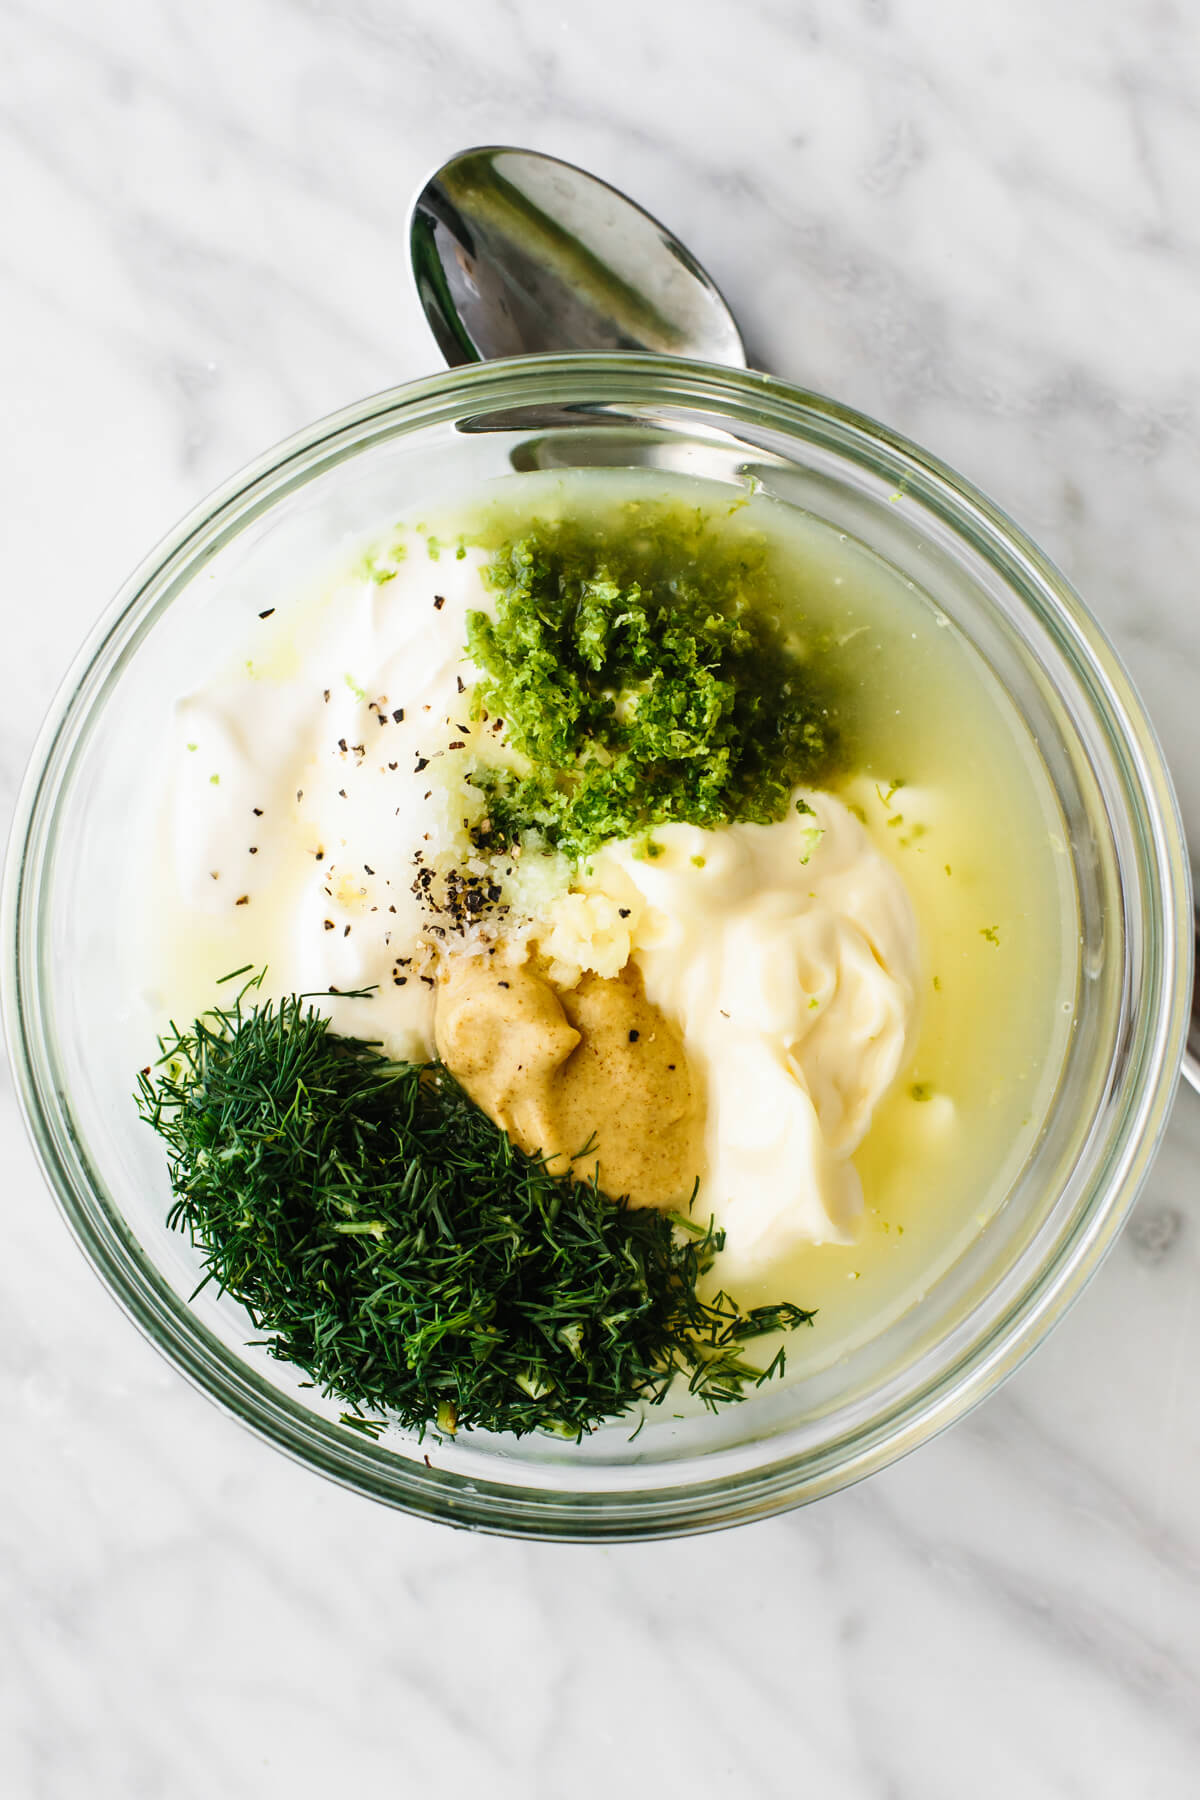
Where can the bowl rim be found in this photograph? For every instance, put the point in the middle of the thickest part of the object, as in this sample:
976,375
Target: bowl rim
693,1506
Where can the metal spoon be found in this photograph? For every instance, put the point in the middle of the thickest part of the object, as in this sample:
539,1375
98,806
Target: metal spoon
516,253
1191,1056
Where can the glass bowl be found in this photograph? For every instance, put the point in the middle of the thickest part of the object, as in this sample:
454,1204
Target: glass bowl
72,1030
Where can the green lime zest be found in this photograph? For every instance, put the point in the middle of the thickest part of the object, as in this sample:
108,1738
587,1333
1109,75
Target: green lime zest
646,677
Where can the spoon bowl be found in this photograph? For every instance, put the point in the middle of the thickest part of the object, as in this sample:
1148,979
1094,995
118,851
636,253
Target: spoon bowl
516,253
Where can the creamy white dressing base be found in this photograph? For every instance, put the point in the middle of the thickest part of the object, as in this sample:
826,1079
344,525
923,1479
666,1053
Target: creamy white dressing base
789,955
933,935
293,818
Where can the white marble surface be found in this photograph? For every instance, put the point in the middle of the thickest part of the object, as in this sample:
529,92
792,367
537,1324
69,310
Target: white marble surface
979,223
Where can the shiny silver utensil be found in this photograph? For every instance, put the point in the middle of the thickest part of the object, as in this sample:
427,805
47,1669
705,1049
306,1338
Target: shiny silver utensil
1191,1056
516,253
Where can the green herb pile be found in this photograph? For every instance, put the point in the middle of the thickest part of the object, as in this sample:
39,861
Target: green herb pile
645,680
390,1241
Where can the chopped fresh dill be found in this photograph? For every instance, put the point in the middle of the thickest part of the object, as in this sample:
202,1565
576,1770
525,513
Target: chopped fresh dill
645,677
386,1237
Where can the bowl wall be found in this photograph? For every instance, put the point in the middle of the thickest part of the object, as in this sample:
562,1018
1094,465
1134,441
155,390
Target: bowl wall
72,998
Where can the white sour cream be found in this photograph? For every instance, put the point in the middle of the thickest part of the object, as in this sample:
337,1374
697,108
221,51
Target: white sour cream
318,809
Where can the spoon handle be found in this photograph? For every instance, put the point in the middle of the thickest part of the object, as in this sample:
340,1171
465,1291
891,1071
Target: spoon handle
1191,1056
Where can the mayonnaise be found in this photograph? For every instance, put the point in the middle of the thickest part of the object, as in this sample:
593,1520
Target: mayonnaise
789,955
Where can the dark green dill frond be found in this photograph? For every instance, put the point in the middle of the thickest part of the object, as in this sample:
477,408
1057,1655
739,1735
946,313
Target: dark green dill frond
386,1237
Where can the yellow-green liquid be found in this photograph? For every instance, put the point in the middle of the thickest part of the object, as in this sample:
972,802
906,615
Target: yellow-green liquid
977,836
974,830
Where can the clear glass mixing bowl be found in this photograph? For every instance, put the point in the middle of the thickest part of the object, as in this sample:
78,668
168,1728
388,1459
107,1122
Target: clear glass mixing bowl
70,1024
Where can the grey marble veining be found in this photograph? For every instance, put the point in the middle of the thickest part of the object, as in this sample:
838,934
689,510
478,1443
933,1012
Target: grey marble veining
977,224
